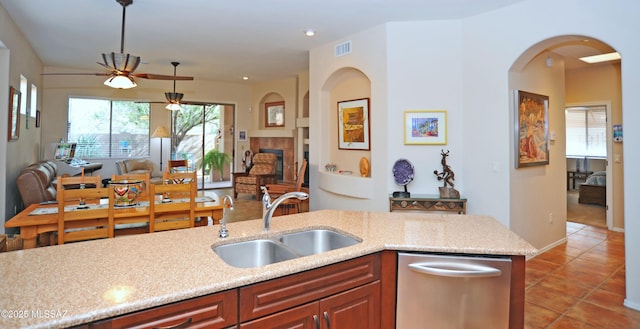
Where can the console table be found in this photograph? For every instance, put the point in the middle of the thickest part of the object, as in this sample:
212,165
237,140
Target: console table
428,202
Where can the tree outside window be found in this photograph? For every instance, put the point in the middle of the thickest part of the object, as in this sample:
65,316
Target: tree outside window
108,129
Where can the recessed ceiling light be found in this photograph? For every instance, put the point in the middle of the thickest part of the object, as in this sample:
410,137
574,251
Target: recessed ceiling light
601,58
245,78
309,32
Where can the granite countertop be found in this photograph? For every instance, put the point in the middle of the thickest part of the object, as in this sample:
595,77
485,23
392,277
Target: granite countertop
76,283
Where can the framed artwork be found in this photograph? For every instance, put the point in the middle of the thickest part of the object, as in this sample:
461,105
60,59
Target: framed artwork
274,114
353,125
37,119
14,114
532,137
617,133
242,135
424,127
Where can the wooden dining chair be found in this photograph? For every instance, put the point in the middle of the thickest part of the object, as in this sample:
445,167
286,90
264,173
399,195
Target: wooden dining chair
133,220
81,215
276,190
74,182
178,165
179,177
172,206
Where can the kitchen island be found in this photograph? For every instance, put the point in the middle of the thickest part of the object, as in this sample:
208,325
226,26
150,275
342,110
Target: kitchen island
73,284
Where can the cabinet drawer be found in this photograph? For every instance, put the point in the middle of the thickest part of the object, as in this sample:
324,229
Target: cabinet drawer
272,296
217,310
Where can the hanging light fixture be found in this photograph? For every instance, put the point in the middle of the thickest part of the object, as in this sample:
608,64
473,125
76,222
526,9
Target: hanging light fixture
174,98
121,63
120,82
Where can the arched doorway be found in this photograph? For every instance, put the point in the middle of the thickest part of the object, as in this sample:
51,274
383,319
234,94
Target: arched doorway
553,67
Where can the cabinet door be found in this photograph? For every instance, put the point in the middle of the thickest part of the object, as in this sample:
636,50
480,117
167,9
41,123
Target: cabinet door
358,308
305,316
219,310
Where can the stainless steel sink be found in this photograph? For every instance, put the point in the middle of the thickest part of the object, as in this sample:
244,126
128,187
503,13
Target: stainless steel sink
317,241
265,251
253,253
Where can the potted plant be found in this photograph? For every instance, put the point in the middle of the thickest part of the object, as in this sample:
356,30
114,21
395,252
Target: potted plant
215,160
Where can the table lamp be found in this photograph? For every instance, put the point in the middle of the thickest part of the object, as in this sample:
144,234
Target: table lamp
161,132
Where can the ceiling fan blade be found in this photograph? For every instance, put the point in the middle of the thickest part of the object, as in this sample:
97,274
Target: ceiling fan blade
94,74
152,76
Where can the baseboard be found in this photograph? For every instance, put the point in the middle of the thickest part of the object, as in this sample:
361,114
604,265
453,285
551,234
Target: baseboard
631,305
548,247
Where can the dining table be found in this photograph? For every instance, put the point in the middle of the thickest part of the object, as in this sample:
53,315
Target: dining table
41,218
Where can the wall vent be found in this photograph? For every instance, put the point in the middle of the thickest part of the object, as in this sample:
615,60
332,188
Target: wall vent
343,48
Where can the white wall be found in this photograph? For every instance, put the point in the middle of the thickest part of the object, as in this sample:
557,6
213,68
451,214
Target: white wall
365,193
516,29
18,58
463,67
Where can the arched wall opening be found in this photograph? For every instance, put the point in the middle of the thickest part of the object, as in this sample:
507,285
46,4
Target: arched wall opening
343,85
546,68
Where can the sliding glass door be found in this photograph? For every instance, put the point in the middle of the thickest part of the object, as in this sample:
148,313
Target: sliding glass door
199,137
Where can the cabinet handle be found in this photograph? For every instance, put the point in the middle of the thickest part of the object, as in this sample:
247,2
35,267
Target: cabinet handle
326,318
182,325
315,319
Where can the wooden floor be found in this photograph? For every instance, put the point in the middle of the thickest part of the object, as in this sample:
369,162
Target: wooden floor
579,284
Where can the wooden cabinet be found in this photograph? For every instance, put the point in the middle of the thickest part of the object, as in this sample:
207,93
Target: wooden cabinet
358,293
346,294
358,308
353,309
219,310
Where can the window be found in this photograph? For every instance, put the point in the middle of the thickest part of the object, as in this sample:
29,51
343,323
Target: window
586,131
108,129
23,92
34,100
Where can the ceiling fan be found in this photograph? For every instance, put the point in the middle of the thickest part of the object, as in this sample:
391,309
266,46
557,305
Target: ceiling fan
174,99
121,66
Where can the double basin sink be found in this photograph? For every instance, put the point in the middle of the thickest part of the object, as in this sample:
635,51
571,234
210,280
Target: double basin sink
265,251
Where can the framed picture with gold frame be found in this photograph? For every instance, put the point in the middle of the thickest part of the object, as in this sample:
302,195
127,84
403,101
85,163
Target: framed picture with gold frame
532,139
424,127
274,114
353,125
14,114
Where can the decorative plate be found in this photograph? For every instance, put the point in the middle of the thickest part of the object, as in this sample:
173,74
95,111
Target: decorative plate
403,172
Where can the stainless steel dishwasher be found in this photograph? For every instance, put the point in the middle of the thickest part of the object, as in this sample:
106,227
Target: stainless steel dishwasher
450,291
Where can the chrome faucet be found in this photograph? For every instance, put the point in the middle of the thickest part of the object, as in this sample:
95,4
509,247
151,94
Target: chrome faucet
269,207
223,233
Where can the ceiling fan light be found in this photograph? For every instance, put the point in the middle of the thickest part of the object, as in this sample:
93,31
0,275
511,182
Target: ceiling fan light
174,107
120,82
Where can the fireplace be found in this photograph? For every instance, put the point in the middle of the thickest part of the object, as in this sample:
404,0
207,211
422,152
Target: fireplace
279,163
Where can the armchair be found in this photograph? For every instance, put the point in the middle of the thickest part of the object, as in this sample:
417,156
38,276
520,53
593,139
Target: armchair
262,173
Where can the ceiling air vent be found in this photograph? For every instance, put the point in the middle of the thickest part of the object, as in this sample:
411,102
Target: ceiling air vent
343,49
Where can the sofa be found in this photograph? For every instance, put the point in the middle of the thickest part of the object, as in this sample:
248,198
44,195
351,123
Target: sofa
139,166
37,182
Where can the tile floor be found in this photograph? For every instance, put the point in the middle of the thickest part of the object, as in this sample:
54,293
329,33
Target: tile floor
579,284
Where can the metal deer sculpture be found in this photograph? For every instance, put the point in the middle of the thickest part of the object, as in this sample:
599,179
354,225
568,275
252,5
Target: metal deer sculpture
446,176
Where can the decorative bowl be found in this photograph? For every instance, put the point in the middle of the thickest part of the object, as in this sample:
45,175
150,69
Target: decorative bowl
126,192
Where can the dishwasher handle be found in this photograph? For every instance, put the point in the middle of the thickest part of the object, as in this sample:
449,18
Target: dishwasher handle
456,270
